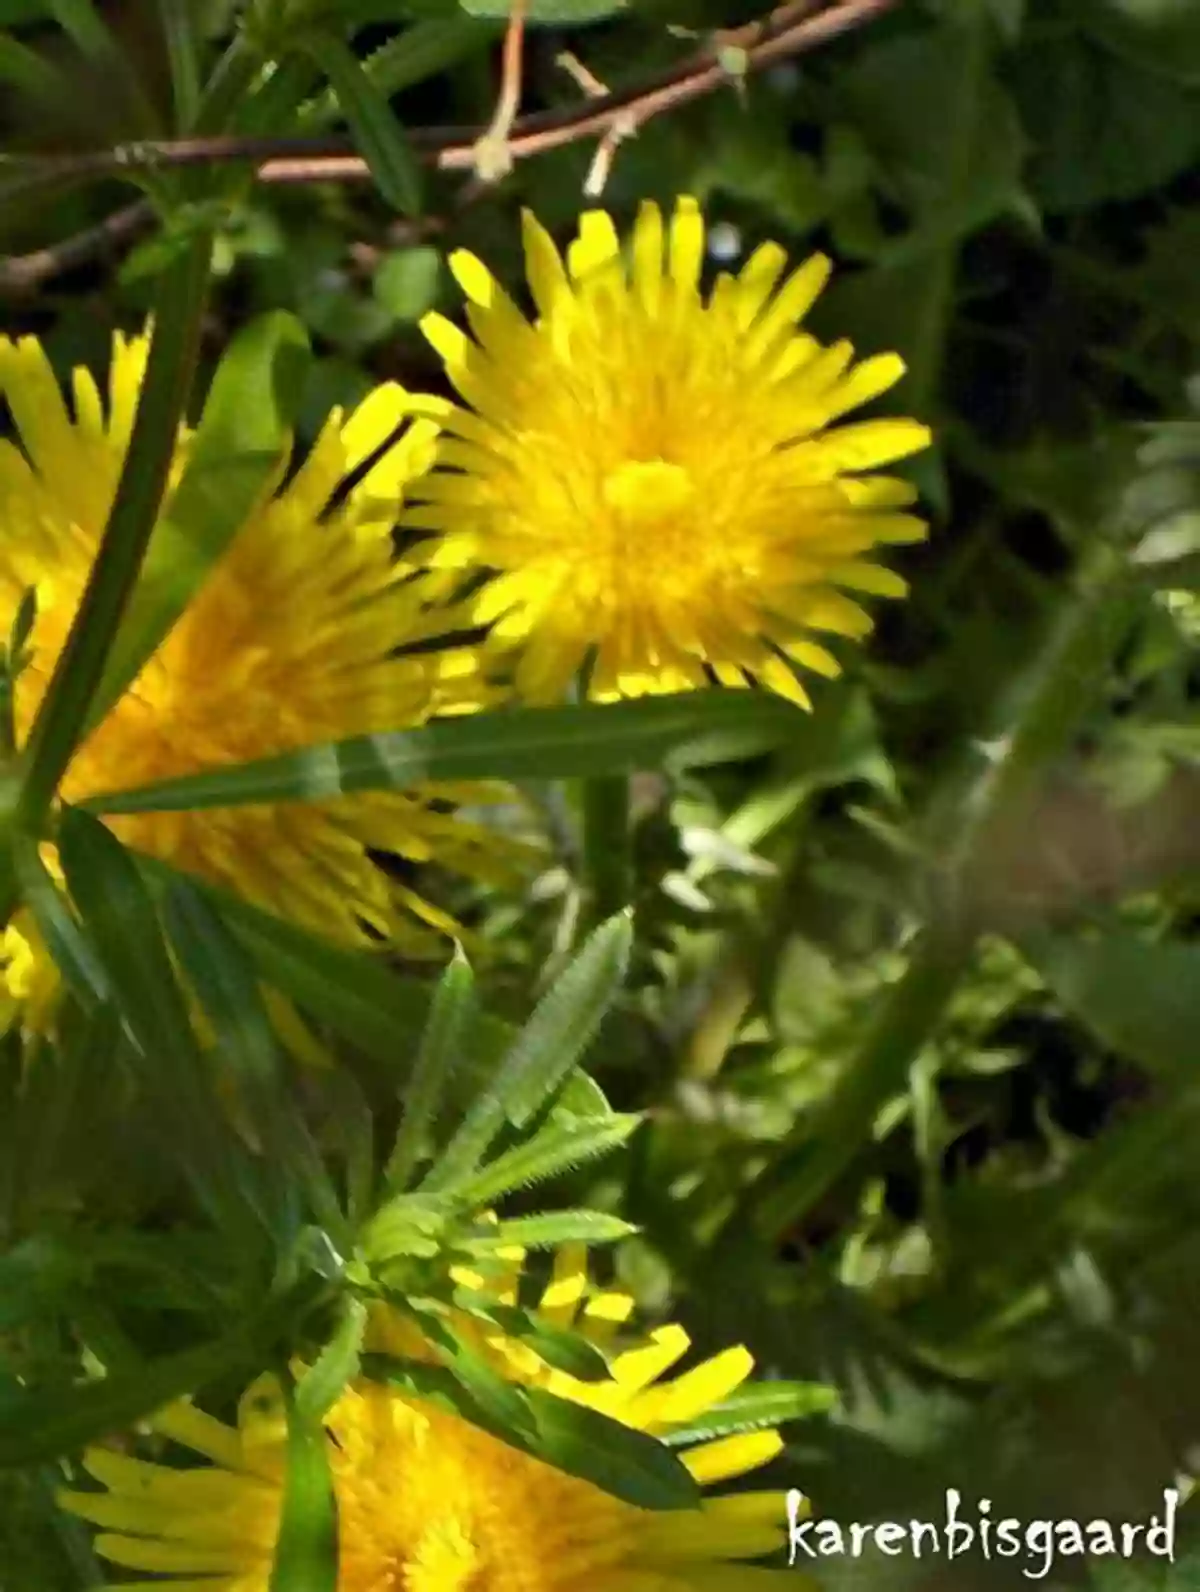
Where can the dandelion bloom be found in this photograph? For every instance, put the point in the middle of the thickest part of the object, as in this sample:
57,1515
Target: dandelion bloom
289,641
430,1503
653,476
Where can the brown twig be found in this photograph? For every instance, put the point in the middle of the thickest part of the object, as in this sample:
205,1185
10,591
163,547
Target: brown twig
791,29
22,273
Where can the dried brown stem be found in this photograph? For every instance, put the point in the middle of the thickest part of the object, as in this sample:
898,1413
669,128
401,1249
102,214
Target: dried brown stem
492,157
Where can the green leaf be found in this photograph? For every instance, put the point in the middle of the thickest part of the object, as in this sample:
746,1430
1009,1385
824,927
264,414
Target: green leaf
564,1350
1139,996
405,1226
306,1551
115,905
420,51
931,106
380,1012
80,20
63,713
119,916
550,1228
42,1423
442,1047
179,28
378,135
544,1052
85,25
523,743
233,463
1102,129
503,1403
626,1463
1161,35
752,1408
74,955
406,283
559,1147
1161,505
25,70
338,1363
35,1277
221,975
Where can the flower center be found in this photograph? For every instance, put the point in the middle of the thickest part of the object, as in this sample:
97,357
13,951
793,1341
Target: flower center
644,490
428,1503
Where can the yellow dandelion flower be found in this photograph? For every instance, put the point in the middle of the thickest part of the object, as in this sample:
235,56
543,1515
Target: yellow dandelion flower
290,640
650,474
428,1503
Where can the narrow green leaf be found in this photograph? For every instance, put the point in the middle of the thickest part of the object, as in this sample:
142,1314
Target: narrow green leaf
420,51
753,1408
35,1276
119,916
564,1350
626,1463
550,1228
179,31
435,1384
83,23
114,903
407,1225
42,1423
378,135
502,1402
221,975
350,1138
233,463
558,1148
306,1551
442,1045
74,955
63,713
578,741
338,1363
380,1012
544,1052
27,71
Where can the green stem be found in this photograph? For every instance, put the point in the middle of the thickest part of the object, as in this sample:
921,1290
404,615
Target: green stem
171,365
607,864
1042,715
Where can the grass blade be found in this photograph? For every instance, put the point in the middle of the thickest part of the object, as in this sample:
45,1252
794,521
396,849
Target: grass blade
580,741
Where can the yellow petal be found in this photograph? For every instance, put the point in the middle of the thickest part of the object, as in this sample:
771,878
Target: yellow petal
686,244
596,247
648,254
727,1457
870,442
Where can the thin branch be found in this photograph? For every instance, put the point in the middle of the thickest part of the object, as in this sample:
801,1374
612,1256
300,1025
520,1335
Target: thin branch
492,155
23,273
791,29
